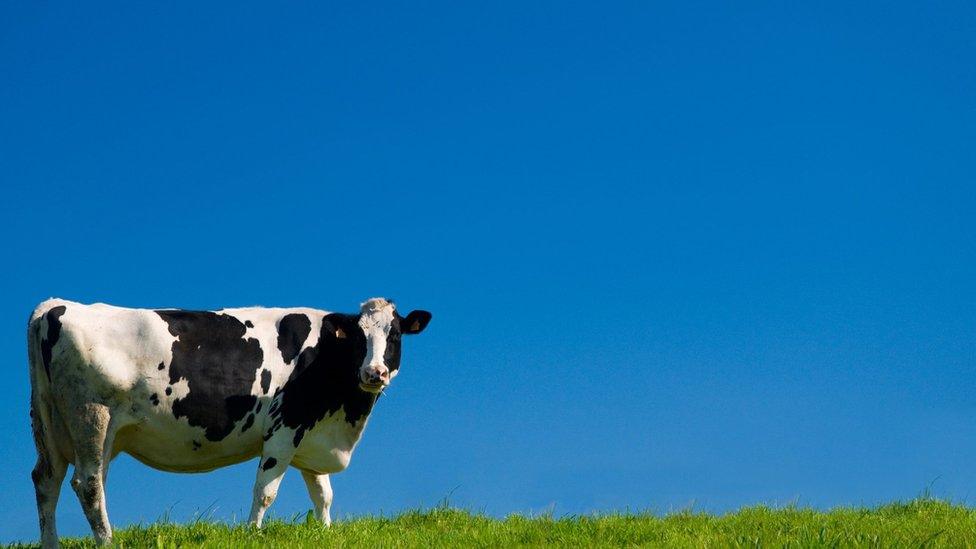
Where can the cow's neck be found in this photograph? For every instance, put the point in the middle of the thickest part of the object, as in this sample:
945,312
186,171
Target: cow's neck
314,396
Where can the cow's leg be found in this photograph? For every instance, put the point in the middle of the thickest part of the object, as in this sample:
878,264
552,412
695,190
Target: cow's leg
89,435
320,490
270,473
48,474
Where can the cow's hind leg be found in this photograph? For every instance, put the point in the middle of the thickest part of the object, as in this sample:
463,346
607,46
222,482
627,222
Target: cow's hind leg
48,474
320,490
91,438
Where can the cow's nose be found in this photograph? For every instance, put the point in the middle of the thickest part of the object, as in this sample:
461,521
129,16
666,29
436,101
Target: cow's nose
378,373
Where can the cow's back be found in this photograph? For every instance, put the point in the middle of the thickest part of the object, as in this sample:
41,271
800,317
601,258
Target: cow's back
101,346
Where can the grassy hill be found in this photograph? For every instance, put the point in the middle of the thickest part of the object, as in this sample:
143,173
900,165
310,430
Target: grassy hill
920,523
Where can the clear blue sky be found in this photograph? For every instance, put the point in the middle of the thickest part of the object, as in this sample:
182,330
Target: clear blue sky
677,253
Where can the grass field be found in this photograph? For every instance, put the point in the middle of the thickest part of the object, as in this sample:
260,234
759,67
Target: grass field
920,523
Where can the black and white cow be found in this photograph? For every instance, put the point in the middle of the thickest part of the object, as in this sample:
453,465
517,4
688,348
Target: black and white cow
191,391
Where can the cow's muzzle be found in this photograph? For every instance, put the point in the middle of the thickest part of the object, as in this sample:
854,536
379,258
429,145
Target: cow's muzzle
374,379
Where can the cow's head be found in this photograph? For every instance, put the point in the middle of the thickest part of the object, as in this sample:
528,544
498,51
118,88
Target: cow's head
375,335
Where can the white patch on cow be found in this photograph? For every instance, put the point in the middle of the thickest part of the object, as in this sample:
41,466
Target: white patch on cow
115,345
313,335
180,389
376,321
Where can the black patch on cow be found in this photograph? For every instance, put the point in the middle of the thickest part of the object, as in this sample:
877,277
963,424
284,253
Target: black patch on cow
154,398
257,409
271,462
293,330
392,355
169,391
196,445
219,366
161,366
266,381
53,334
248,324
248,421
325,380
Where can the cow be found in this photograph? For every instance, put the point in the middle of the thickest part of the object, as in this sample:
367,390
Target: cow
190,391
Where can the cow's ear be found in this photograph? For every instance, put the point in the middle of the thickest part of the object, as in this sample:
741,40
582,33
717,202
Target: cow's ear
415,322
328,329
333,329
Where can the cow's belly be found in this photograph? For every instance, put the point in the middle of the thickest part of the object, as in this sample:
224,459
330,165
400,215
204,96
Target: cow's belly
162,442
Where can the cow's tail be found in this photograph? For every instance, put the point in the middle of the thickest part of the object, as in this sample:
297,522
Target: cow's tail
42,405
52,461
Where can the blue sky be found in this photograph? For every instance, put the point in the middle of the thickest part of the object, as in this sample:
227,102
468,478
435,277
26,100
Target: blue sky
677,253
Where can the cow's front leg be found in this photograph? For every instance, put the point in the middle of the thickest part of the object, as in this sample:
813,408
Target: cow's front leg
320,490
270,473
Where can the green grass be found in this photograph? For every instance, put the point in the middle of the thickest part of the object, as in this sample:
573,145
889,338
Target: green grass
921,523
